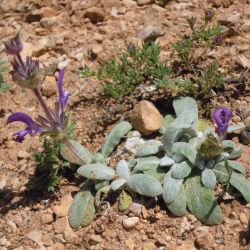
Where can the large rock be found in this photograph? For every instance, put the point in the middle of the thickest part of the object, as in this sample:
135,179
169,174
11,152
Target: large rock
95,14
146,118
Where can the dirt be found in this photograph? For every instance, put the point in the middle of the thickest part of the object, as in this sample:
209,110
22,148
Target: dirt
27,219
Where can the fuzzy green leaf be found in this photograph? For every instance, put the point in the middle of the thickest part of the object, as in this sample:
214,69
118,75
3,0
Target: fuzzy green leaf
187,150
186,119
125,200
201,202
118,184
171,136
236,127
82,210
239,182
98,158
171,188
122,169
236,166
157,173
210,148
146,163
185,104
180,170
208,178
114,137
78,154
96,171
145,184
168,119
150,147
178,206
236,153
166,161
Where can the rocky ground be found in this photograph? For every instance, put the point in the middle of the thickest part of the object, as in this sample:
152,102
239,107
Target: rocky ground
66,33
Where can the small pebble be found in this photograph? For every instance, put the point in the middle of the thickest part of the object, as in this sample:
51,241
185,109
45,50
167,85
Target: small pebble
130,223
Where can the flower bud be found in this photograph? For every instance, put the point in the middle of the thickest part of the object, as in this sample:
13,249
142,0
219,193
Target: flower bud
14,46
26,74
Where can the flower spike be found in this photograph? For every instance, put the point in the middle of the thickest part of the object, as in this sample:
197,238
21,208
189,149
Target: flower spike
222,117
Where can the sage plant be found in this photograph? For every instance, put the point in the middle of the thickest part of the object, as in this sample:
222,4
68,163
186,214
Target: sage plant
27,74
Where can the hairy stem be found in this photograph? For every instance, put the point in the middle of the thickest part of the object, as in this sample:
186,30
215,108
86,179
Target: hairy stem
43,104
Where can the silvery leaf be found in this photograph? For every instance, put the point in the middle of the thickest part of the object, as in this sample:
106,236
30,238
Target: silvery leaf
208,178
180,170
96,171
118,184
150,147
166,161
122,169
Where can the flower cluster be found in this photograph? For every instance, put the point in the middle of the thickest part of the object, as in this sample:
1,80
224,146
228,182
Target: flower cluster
27,74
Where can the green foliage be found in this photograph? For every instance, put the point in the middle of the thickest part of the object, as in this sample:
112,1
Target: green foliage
3,86
210,79
49,167
199,37
184,169
137,65
82,210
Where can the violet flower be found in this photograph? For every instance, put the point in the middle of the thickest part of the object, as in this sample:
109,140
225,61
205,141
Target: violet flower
56,121
31,129
222,117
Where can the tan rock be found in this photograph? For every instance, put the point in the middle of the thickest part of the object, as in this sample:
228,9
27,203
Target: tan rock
57,246
47,12
129,3
130,244
63,209
95,14
149,246
243,61
146,118
49,86
204,239
187,245
46,218
95,240
109,4
48,22
144,2
48,239
62,226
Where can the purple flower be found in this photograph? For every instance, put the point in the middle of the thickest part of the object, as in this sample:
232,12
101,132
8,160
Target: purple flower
209,15
26,74
218,40
32,127
63,95
14,46
222,117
